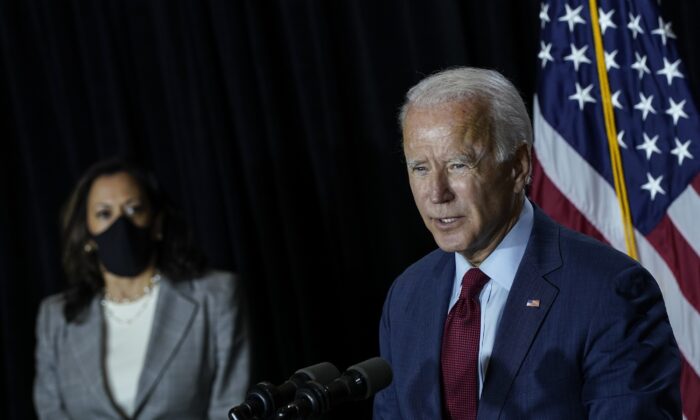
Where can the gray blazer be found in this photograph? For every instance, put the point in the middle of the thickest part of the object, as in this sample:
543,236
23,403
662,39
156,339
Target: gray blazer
196,367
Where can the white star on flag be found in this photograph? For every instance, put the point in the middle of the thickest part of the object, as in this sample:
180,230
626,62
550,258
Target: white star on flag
545,54
610,60
620,139
544,14
681,150
641,65
582,95
615,98
649,145
635,26
645,106
605,20
664,31
653,186
577,56
675,110
572,17
670,70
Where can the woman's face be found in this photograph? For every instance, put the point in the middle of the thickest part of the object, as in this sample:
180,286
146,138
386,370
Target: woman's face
113,196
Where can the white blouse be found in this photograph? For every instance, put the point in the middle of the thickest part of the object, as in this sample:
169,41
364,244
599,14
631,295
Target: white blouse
128,330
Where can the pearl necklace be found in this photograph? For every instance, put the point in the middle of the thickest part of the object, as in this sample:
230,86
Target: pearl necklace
155,278
144,297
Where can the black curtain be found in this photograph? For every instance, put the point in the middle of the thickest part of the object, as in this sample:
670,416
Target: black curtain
272,124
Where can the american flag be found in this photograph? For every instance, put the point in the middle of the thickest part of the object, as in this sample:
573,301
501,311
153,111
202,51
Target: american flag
620,57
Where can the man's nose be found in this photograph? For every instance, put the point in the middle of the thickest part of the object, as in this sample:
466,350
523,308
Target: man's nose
440,190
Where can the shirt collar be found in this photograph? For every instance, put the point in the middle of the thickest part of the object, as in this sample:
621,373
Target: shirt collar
502,264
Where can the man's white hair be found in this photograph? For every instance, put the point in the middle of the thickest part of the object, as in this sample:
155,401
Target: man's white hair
510,123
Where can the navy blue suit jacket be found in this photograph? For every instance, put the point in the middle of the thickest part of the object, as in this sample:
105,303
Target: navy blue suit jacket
599,346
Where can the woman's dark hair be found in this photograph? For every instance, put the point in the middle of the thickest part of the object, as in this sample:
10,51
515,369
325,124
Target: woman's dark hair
177,256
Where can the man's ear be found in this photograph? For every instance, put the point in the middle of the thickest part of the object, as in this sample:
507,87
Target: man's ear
521,168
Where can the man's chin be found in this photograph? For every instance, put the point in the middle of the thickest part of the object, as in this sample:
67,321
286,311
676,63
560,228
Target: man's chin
448,245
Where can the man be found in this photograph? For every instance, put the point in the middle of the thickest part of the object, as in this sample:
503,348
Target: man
514,316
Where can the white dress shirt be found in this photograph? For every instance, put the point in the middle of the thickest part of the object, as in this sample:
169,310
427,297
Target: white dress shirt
501,266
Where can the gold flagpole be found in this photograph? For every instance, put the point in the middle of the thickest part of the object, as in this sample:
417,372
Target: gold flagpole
611,131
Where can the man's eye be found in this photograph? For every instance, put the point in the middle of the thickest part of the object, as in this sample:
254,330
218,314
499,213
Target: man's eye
456,166
419,169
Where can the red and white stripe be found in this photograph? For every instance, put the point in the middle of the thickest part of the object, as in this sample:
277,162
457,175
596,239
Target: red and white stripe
570,190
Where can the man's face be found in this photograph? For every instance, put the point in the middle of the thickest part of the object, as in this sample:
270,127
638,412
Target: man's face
466,198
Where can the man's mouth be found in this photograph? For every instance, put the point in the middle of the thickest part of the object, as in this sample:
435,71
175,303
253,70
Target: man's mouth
447,221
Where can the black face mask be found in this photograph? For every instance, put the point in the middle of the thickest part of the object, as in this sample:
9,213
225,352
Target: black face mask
124,248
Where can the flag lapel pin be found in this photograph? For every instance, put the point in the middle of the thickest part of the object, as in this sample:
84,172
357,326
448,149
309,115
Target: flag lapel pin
533,303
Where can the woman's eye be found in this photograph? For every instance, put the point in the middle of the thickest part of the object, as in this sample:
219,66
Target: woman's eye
103,214
134,209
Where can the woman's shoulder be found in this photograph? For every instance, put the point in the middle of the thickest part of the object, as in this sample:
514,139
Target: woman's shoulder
216,290
215,280
50,315
53,303
212,283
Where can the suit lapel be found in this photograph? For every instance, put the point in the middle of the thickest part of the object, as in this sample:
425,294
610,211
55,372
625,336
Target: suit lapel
519,324
87,346
172,319
429,311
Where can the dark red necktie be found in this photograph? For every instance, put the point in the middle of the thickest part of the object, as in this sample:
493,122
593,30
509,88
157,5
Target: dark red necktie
460,350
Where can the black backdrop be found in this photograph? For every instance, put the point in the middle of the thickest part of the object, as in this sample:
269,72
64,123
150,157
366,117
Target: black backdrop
270,123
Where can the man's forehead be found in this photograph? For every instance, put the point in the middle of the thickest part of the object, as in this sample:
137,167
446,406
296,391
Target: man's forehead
464,121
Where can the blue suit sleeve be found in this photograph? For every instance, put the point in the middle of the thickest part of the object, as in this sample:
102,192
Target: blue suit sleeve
631,365
385,403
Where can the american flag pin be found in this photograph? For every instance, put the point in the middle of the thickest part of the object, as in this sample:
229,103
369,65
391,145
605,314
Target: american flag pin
533,303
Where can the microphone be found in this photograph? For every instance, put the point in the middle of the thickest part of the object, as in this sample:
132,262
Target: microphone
358,382
264,399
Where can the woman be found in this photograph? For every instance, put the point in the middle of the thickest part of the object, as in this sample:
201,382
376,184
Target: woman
143,331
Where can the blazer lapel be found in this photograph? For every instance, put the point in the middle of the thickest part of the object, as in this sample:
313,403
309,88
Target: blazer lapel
172,319
429,310
87,346
520,323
